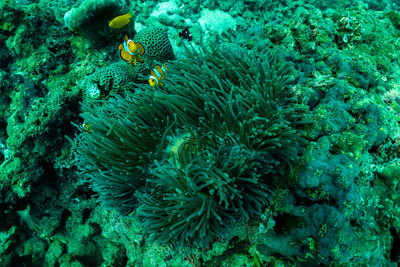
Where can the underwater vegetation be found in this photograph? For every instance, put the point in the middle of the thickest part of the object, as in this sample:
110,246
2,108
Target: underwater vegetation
199,153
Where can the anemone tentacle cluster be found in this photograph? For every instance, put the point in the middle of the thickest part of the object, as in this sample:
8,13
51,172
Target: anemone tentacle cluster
198,154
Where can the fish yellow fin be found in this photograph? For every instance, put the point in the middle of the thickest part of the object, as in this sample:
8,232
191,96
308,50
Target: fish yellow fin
124,55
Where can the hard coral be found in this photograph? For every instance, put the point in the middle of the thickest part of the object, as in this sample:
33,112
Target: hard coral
156,44
199,153
112,79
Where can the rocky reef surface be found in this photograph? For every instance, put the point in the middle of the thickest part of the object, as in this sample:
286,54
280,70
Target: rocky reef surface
317,167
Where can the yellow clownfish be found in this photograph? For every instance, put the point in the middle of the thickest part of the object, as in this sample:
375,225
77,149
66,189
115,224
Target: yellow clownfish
120,21
157,74
130,51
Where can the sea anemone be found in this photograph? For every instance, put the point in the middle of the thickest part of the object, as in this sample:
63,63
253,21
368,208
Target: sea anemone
197,154
209,184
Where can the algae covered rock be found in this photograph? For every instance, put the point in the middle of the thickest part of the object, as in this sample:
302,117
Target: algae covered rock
391,174
91,19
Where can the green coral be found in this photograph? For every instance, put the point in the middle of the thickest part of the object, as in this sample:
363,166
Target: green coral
7,242
156,45
199,153
394,17
349,31
112,79
390,173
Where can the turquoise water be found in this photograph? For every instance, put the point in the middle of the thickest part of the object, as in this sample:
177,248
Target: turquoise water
212,133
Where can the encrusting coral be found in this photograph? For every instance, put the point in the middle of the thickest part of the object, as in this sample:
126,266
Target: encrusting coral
197,154
156,44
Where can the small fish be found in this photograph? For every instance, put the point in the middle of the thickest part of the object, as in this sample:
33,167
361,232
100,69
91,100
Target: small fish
186,34
130,51
86,127
120,21
157,74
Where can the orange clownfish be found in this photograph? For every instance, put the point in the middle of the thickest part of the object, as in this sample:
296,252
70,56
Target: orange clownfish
120,21
157,74
130,51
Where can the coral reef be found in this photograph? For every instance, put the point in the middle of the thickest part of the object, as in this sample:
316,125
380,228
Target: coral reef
120,77
112,79
156,45
234,131
337,203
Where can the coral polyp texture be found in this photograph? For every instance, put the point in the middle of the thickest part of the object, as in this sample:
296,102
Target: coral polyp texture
157,46
198,154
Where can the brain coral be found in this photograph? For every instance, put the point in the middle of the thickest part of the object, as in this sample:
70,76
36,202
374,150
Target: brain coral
156,44
113,79
200,153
